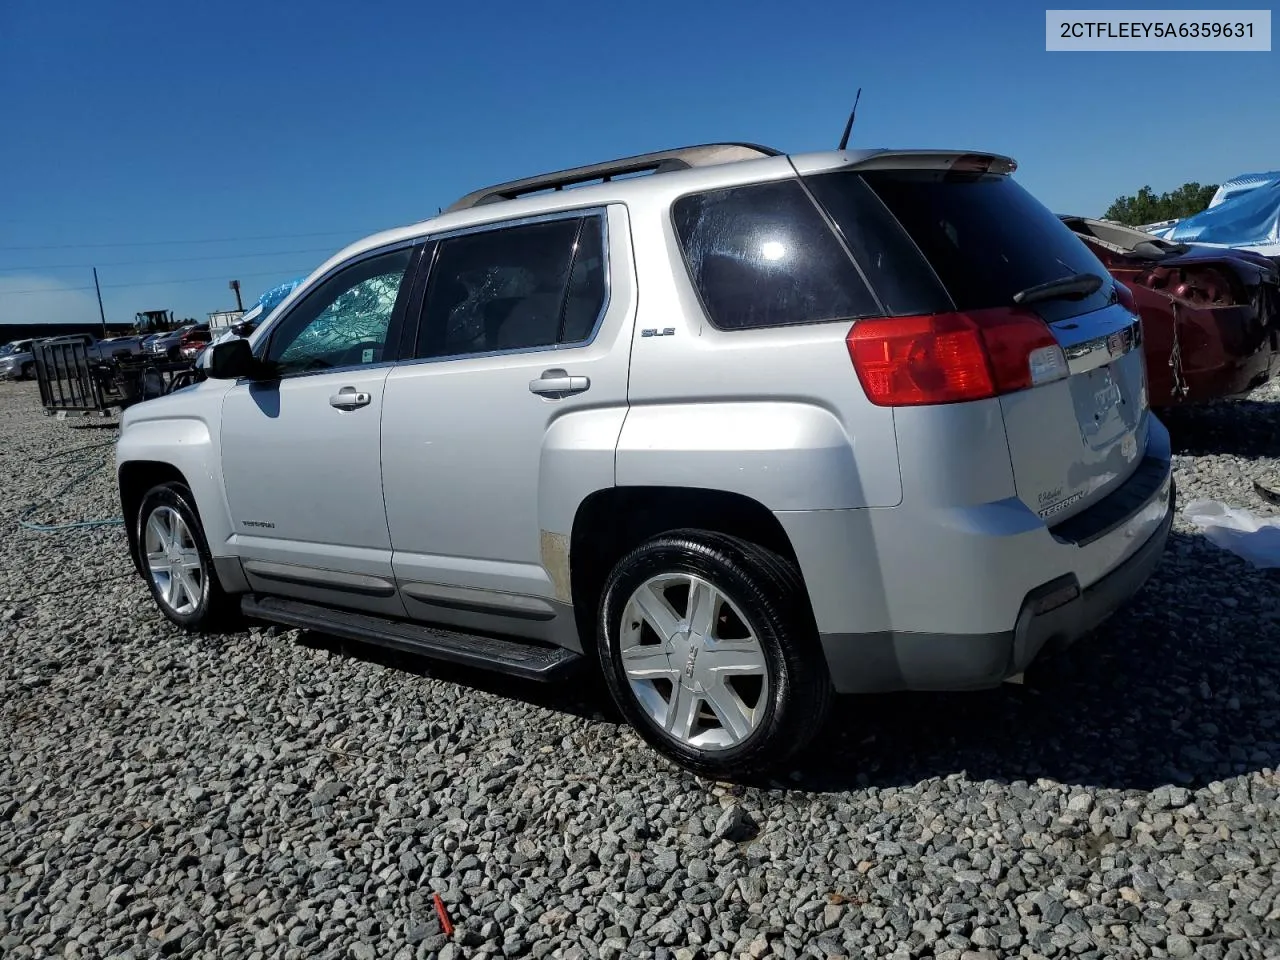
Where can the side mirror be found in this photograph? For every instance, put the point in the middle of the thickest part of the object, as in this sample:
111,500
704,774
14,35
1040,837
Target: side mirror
244,328
233,359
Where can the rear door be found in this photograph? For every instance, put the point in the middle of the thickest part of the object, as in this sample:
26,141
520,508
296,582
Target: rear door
512,402
1071,441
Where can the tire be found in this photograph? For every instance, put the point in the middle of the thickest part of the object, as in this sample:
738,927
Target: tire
28,371
721,707
210,608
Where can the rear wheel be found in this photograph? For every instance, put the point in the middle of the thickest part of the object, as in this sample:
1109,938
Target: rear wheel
176,561
710,651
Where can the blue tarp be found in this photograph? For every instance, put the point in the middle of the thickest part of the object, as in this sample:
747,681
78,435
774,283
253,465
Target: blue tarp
1246,181
272,298
262,306
1248,216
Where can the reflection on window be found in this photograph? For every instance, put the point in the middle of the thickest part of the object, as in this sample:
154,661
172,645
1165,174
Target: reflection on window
762,256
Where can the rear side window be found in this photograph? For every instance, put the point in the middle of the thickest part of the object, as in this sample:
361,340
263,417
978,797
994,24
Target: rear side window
763,256
987,238
515,288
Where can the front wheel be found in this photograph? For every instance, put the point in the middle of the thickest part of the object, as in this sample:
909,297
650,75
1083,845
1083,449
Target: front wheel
177,563
710,651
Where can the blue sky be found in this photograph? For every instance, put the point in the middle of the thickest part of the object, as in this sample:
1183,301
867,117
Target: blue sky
286,130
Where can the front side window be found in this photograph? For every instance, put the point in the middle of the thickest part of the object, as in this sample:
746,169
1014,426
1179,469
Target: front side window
515,288
343,322
762,256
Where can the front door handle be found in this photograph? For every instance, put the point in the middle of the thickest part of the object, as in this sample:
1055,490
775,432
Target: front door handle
349,398
557,383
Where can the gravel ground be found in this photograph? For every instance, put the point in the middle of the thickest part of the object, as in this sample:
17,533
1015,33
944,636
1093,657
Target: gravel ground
271,794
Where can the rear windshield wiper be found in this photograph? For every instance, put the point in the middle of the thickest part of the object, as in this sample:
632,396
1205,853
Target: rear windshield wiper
1075,287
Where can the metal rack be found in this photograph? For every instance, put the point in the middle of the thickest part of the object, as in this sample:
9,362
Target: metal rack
74,380
663,161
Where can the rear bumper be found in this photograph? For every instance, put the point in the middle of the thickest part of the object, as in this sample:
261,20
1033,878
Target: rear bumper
1051,617
961,595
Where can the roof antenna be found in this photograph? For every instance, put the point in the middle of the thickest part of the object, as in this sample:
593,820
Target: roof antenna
844,141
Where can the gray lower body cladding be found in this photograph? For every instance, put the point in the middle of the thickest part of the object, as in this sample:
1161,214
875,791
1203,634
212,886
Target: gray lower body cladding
1047,622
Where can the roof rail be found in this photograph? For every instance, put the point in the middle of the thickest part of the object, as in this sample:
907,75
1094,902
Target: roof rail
663,161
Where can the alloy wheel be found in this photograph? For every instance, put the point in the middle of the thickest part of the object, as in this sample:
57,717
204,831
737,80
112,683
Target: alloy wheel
173,561
693,662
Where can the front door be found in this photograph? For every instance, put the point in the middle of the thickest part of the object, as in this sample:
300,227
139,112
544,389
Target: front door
507,414
300,453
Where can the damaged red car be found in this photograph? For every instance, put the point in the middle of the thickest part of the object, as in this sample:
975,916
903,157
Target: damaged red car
1210,315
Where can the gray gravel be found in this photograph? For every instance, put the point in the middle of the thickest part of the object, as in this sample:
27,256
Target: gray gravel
269,794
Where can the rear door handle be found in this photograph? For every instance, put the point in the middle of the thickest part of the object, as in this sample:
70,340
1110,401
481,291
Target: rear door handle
349,398
557,383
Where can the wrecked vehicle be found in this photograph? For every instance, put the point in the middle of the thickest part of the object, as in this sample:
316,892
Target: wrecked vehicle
1210,315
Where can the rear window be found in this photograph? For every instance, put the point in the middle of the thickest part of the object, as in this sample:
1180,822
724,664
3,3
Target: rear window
987,238
763,256
899,275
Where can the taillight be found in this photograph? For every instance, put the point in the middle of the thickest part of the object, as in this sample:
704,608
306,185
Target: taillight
953,357
1124,297
1196,284
1204,285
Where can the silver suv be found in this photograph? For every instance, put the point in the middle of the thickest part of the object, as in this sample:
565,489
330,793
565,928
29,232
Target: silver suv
737,429
17,361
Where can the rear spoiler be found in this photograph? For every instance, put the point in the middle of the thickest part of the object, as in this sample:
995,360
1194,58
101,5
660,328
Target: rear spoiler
957,161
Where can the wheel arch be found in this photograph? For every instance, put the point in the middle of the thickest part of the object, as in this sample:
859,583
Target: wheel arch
135,478
612,521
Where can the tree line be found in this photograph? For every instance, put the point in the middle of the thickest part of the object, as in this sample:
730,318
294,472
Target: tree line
1147,207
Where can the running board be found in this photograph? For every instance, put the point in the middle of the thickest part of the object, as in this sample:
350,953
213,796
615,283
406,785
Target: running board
514,658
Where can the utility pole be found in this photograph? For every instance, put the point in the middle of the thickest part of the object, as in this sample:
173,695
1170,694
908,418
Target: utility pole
235,285
101,313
